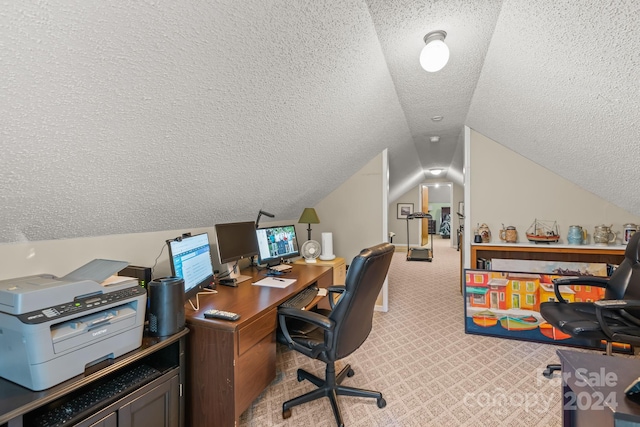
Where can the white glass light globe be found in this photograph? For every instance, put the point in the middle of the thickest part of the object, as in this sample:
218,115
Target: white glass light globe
434,56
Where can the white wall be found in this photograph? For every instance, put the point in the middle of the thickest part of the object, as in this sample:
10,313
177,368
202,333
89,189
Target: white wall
356,215
506,188
60,257
399,226
353,212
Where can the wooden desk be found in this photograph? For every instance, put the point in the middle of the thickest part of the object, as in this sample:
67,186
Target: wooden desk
593,390
231,363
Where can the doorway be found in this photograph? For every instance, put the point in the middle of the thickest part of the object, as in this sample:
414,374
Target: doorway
435,199
424,222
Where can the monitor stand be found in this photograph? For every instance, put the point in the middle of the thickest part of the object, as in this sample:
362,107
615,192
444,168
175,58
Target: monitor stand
241,278
280,267
234,272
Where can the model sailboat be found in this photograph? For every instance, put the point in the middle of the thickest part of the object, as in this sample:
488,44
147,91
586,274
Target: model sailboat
543,232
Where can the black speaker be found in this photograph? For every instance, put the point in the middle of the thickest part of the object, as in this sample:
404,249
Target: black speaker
166,306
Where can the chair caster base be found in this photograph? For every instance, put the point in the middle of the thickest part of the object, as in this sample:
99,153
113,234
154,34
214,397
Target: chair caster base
548,372
381,403
286,414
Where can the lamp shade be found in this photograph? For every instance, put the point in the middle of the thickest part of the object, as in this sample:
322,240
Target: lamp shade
435,54
309,216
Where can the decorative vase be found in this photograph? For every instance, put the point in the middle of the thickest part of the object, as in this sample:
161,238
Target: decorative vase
576,235
603,235
629,229
485,233
509,234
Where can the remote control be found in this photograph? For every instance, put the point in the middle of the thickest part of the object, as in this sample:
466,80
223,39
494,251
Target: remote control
219,314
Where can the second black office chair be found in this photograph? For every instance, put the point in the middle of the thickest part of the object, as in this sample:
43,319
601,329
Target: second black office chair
616,318
332,335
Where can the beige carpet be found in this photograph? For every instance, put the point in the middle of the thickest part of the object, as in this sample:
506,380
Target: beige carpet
430,372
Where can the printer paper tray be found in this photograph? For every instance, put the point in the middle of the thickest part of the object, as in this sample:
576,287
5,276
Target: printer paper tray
82,331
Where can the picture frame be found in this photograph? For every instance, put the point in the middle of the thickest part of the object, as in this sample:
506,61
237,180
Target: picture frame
404,209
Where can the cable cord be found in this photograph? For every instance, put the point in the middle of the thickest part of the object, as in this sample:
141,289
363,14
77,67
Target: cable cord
156,262
234,269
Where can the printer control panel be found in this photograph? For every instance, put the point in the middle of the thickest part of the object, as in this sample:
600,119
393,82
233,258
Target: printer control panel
80,304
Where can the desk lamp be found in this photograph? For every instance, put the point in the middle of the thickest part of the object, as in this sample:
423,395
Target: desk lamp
309,217
270,215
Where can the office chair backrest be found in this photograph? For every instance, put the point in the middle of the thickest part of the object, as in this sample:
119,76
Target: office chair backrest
353,314
625,280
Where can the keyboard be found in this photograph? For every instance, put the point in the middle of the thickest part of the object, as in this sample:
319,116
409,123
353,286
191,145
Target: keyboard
280,267
301,299
82,405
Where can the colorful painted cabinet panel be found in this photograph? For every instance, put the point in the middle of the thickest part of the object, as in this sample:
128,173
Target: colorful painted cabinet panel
507,304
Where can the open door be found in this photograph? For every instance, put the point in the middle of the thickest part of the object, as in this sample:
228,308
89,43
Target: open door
424,238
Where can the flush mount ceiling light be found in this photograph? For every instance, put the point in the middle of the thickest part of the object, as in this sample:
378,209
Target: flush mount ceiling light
435,54
435,171
434,139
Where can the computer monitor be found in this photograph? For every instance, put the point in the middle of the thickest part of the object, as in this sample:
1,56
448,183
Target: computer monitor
277,243
190,259
235,241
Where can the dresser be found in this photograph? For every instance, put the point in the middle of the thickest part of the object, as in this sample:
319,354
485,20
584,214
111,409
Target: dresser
338,264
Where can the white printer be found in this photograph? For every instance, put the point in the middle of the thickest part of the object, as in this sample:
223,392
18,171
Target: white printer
52,328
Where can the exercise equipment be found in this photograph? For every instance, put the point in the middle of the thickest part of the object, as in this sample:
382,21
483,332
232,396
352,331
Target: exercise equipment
419,254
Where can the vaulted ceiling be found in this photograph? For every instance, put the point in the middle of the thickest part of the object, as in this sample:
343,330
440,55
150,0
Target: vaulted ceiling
147,116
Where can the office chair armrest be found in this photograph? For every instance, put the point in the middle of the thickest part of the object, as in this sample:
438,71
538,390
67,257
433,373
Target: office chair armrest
337,289
311,317
599,282
616,303
619,306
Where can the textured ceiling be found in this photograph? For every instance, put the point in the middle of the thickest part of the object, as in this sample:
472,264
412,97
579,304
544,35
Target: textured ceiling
561,86
144,116
401,26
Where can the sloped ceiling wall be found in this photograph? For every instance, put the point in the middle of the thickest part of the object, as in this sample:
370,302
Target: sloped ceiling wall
401,26
561,86
146,116
143,116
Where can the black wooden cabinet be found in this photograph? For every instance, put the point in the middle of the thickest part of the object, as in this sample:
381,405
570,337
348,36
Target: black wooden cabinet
158,402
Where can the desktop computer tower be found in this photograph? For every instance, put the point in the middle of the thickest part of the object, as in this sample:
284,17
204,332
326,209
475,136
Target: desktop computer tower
166,306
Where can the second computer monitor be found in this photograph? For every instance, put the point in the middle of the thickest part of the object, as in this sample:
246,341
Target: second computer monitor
235,241
277,243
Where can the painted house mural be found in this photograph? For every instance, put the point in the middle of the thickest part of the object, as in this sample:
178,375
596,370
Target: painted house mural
522,290
586,293
507,304
547,293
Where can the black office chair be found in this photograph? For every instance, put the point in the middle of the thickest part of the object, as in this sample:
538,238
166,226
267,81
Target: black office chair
616,318
330,335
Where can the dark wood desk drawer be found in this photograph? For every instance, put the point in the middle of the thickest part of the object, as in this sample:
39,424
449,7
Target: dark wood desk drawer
251,334
254,371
